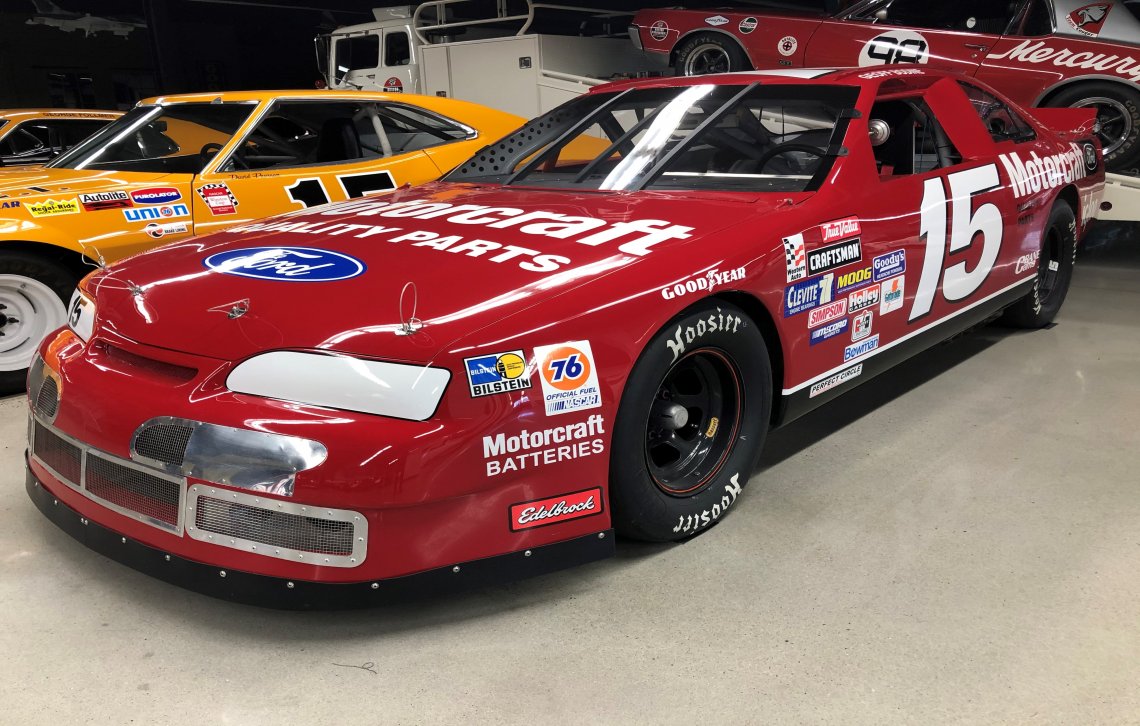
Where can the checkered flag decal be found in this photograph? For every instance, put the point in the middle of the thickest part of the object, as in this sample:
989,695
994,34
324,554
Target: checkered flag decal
795,257
205,190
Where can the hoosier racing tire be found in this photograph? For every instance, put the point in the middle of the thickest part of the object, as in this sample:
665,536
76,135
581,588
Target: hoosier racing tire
691,424
1054,272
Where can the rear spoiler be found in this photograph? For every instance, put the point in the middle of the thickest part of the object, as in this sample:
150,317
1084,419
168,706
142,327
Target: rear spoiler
1071,124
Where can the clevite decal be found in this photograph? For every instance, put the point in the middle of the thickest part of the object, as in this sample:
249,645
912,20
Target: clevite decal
555,510
497,373
526,450
808,294
569,377
291,264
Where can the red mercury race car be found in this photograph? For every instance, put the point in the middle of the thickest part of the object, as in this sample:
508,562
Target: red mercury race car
1059,53
586,329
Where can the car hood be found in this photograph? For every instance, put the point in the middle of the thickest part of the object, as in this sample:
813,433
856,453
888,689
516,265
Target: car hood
457,274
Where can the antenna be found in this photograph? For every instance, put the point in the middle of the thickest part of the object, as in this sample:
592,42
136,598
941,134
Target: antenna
409,324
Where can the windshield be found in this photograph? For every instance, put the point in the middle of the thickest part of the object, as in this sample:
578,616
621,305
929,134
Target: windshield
770,138
176,139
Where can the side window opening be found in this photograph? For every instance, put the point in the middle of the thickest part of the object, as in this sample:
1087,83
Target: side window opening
915,143
397,49
972,16
1036,20
357,52
999,119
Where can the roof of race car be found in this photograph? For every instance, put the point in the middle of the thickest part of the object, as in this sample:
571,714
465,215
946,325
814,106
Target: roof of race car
25,114
804,76
322,94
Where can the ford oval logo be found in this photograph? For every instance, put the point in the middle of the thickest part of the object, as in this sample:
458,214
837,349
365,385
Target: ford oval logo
291,264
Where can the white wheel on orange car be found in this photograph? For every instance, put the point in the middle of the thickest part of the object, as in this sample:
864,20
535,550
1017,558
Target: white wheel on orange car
33,293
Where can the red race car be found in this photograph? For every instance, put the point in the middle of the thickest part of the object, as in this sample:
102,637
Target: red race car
589,327
1059,53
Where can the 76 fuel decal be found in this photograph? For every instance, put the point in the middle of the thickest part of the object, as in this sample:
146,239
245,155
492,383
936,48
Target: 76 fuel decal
569,377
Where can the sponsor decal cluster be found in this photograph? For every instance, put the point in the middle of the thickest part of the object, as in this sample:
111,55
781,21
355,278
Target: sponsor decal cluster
98,201
1089,19
829,331
1035,173
686,335
659,30
747,25
497,373
1025,263
52,207
1037,52
290,264
835,381
636,237
531,449
894,293
787,45
704,284
704,518
862,348
166,211
569,377
218,198
158,231
555,510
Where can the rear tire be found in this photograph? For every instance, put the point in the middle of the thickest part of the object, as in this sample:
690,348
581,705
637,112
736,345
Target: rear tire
1054,272
691,424
33,292
1118,110
706,53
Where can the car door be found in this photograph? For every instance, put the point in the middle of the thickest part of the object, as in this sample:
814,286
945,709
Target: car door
310,151
955,36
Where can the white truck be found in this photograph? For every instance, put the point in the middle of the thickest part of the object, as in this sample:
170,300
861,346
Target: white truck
501,63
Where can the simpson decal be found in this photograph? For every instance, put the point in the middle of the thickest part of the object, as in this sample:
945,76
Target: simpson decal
1089,19
555,510
218,198
527,450
834,381
497,373
827,313
52,207
569,378
795,257
105,200
834,256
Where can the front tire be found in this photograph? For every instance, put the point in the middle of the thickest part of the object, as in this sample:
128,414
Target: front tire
1054,272
706,53
1118,111
691,424
33,302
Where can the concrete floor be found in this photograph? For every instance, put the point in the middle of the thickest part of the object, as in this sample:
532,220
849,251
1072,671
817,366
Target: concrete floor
956,542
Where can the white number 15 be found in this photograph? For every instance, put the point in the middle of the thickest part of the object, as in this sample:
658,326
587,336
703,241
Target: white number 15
958,283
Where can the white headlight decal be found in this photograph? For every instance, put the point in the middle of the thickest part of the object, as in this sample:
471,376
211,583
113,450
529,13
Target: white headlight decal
81,315
352,384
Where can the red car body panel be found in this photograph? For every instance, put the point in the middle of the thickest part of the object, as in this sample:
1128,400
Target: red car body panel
1026,69
163,345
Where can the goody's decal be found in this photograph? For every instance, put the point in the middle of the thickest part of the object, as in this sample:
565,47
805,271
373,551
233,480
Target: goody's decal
496,373
829,331
541,512
169,211
105,200
807,295
860,349
569,377
156,195
291,264
888,265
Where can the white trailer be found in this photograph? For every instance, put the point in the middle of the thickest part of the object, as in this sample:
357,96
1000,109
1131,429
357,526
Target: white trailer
503,65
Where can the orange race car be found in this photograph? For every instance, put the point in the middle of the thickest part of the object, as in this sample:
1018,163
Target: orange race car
37,135
180,165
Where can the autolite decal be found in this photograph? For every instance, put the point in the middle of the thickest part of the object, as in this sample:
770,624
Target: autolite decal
1036,52
105,200
528,450
705,284
840,229
556,510
834,257
1031,175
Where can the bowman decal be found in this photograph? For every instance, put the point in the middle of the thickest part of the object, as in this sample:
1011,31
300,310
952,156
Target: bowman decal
291,264
834,257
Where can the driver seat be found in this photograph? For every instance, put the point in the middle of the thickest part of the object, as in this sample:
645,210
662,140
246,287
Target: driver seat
338,141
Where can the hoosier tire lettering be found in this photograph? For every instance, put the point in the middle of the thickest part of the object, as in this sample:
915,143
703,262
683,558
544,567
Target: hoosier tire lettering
686,335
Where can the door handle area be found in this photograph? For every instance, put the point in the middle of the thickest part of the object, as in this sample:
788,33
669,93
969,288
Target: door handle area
977,46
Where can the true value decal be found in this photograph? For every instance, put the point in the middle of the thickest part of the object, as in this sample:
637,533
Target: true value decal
555,510
289,264
526,450
569,377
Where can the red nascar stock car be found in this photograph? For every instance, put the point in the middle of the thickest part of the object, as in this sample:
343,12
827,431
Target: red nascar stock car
1059,53
589,327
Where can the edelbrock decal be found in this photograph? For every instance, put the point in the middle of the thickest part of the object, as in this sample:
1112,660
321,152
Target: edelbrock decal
290,264
528,449
555,510
497,373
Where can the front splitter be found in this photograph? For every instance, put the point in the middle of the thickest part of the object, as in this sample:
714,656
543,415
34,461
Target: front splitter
273,592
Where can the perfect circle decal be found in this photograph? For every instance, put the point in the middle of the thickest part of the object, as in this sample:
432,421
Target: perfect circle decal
288,264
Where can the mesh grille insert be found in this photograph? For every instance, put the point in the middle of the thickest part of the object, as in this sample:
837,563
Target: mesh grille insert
164,442
278,529
132,489
64,457
47,401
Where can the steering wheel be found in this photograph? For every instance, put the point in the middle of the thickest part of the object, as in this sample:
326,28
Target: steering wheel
786,149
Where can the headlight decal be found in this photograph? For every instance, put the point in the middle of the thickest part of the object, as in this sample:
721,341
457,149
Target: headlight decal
397,390
81,315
